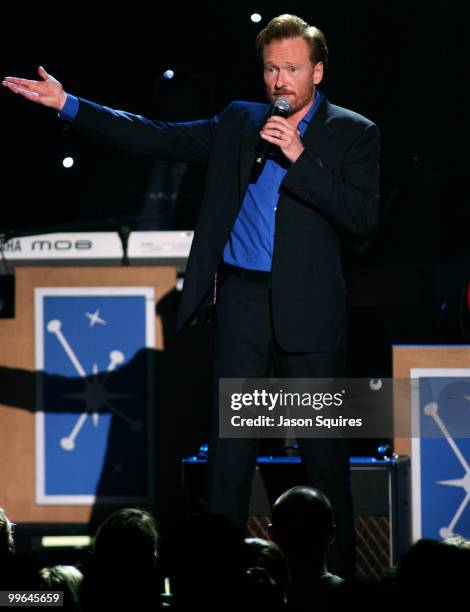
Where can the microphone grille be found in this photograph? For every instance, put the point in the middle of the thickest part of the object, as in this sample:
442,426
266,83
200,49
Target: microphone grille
282,104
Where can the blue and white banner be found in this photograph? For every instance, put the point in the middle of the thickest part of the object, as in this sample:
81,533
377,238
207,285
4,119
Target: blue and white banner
94,426
441,453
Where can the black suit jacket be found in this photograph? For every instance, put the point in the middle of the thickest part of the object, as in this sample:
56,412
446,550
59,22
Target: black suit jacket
331,191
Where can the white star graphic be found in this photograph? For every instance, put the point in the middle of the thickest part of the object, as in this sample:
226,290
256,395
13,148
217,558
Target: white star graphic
95,318
458,482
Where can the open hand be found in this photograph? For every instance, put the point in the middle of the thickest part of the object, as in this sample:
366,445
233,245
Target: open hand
48,91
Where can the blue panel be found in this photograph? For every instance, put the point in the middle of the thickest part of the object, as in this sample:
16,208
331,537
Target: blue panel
444,456
83,457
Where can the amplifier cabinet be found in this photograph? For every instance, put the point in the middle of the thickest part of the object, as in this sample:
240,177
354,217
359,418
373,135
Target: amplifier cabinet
381,494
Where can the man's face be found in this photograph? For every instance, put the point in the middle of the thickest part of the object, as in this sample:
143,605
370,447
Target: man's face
288,72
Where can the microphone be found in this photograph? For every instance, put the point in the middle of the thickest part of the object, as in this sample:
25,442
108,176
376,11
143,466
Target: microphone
280,108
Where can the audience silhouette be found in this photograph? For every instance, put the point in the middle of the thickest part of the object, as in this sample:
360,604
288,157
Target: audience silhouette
303,527
122,570
65,578
209,565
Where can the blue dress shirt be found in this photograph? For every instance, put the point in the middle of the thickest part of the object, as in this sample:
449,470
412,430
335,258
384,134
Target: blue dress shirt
70,109
251,241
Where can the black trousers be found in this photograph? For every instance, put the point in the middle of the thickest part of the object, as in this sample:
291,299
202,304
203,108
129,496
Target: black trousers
245,346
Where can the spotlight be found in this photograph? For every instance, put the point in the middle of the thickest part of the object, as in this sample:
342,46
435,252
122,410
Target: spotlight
168,74
68,162
255,17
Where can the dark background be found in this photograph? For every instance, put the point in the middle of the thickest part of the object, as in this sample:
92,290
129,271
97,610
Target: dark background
402,64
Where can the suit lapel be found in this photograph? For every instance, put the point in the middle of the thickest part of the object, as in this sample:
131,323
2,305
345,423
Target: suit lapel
249,140
319,130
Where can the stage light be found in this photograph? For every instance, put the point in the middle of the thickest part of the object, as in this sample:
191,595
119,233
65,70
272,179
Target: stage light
168,74
385,452
255,17
68,162
375,384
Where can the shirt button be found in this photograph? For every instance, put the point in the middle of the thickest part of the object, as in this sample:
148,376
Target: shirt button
275,208
227,229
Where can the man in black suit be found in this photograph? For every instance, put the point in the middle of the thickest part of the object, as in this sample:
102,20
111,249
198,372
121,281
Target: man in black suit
267,245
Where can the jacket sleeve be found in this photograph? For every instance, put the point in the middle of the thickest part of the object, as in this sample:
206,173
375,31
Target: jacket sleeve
349,193
137,135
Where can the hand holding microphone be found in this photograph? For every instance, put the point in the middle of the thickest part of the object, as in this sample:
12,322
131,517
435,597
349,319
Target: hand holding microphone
280,108
278,131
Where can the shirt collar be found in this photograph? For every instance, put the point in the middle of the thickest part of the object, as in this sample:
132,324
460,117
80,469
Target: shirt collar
316,103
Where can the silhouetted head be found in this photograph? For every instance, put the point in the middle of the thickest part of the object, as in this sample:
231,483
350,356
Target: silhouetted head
267,573
66,578
459,542
7,543
207,562
122,572
127,534
303,525
432,567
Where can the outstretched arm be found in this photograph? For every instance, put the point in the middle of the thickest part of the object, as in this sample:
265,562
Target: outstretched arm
48,91
133,134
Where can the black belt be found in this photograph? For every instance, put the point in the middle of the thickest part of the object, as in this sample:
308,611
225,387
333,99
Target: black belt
255,276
